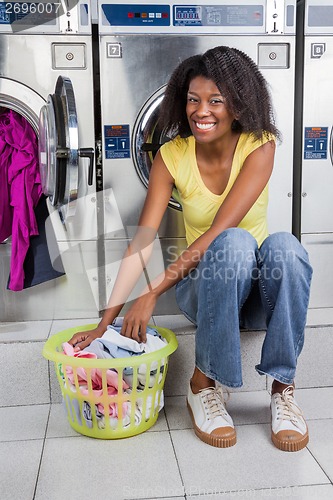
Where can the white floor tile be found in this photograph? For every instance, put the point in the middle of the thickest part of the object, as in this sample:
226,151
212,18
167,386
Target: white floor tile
321,444
249,407
316,403
19,468
293,492
176,413
24,376
250,464
58,425
24,331
23,422
140,467
324,492
314,367
59,325
177,323
181,366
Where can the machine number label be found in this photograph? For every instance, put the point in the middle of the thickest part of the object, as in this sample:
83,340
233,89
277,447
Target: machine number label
113,49
117,141
315,143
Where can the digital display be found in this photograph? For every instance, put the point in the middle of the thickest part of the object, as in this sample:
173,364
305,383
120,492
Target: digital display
218,15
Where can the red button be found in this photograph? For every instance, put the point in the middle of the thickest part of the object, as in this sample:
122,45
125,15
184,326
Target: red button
130,15
165,15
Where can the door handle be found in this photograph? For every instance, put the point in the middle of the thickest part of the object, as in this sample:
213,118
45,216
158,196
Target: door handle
88,153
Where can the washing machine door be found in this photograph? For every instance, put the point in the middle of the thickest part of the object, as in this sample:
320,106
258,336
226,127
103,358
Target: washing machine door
59,149
148,137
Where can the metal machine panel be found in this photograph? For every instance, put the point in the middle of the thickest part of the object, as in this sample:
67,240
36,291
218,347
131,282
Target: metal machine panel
317,172
320,249
133,87
26,75
213,17
140,46
31,60
317,165
74,295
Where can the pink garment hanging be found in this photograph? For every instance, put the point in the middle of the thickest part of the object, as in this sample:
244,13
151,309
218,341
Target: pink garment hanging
20,189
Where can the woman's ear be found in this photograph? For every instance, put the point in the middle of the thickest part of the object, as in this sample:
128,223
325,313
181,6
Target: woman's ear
235,125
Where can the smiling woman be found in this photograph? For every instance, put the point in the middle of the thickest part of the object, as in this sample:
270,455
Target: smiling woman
218,113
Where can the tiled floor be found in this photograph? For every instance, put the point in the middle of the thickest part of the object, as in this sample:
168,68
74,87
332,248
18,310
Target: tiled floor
42,458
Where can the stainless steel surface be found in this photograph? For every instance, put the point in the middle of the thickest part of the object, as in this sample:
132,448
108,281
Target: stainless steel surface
136,62
26,79
317,167
69,55
30,64
317,173
320,249
159,55
47,147
64,89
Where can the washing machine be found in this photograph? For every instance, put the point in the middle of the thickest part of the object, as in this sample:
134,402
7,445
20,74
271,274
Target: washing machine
140,46
46,76
317,161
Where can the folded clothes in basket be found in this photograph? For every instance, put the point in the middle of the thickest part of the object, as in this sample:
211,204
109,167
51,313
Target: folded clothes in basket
114,345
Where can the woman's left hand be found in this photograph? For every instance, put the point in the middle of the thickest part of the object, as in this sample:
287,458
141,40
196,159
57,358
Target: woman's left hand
137,318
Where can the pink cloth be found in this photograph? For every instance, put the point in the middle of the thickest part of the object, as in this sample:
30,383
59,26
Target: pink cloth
96,379
20,189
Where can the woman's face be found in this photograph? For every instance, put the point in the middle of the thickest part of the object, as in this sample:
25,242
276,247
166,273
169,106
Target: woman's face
206,111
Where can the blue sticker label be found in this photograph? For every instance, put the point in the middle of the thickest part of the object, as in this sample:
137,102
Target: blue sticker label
315,143
117,141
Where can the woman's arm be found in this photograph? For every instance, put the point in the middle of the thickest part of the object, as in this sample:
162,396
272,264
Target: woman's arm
248,186
138,252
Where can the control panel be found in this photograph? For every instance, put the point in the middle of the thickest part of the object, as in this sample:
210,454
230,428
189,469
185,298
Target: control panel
218,15
214,17
136,15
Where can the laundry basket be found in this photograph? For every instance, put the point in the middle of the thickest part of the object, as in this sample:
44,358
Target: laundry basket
129,391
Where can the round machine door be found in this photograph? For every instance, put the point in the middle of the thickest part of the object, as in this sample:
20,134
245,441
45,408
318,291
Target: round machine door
58,149
148,137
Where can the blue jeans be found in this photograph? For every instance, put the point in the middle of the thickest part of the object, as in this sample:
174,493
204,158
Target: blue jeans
238,285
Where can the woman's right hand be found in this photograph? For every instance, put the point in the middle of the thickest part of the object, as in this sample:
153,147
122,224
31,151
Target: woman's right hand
81,340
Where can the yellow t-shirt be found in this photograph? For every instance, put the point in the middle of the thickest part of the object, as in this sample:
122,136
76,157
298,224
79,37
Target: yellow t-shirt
198,202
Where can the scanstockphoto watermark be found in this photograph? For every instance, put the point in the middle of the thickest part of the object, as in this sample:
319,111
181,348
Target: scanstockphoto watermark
149,254
231,255
228,264
20,15
278,492
198,492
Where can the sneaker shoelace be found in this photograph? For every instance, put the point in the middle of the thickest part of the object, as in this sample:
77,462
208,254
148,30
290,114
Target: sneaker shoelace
287,409
213,400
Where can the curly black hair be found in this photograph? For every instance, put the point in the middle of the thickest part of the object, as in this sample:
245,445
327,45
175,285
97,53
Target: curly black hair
238,79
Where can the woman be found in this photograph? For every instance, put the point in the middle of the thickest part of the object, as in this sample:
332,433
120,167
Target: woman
218,109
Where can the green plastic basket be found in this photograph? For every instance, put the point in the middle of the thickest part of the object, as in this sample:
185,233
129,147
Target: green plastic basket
100,414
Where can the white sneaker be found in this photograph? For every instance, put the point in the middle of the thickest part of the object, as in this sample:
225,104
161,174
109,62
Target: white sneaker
289,429
212,423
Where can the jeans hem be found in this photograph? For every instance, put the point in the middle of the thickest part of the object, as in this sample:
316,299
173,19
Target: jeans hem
276,376
219,379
